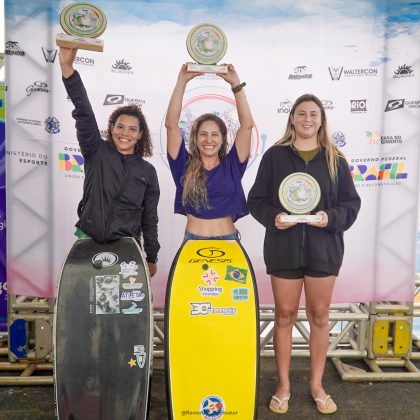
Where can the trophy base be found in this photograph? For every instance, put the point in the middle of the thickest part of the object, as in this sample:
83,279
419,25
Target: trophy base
300,218
206,68
83,43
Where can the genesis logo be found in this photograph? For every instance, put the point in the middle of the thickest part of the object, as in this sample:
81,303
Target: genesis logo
394,104
210,252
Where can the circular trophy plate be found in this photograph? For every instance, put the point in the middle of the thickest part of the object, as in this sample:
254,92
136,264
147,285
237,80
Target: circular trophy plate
206,43
83,19
299,193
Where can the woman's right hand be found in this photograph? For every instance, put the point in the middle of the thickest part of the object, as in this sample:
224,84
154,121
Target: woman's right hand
282,225
185,75
66,57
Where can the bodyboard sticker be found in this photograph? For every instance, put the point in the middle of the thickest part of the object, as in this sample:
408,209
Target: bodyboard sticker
107,294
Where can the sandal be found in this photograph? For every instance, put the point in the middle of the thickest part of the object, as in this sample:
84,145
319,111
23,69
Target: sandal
278,403
321,405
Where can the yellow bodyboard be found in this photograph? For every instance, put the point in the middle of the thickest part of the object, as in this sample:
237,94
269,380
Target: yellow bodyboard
212,332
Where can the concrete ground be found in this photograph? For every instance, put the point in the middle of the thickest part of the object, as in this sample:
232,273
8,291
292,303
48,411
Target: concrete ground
373,401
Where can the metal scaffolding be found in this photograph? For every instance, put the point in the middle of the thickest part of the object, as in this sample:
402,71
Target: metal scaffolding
364,339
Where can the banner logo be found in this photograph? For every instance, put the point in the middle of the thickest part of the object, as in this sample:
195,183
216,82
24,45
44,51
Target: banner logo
335,72
12,48
403,71
37,87
49,54
394,104
285,107
113,99
385,171
52,125
300,72
73,163
339,138
358,105
122,66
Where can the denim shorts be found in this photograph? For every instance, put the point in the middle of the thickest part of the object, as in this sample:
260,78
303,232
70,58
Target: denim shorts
230,236
299,273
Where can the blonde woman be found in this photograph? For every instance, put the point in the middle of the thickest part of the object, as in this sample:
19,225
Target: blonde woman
299,255
208,176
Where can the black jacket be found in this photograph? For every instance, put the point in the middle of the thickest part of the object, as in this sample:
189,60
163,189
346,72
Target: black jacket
120,192
321,249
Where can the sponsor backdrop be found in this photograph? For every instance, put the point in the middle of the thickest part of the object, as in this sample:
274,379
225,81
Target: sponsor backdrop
3,282
362,59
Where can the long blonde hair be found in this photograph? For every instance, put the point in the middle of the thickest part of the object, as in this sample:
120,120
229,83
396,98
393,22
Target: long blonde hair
332,153
194,179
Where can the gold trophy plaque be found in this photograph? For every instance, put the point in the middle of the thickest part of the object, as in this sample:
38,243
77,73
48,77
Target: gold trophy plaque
206,44
299,193
82,24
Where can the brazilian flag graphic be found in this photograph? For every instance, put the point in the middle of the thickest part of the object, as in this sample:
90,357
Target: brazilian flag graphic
236,274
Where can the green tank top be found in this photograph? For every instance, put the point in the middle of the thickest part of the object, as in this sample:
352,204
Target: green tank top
308,155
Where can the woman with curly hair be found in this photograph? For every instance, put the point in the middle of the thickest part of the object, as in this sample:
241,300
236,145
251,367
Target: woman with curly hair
208,176
121,189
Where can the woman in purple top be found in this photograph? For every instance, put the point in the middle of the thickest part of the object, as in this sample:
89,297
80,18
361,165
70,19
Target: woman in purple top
208,177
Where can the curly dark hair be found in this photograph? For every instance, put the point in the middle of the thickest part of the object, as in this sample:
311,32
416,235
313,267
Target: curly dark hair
144,147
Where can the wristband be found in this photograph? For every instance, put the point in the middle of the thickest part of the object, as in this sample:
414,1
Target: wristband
238,88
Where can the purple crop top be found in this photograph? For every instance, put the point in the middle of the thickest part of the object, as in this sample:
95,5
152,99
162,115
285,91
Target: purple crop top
224,189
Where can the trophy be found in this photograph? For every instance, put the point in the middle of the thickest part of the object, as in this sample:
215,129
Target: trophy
82,24
206,44
299,193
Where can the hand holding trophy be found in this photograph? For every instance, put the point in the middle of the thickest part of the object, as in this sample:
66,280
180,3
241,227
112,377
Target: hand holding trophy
299,193
83,23
206,44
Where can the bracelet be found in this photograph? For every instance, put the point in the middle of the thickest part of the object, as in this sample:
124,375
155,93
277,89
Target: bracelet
238,88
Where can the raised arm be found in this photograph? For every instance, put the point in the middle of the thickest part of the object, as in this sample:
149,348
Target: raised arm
173,114
88,134
66,57
243,135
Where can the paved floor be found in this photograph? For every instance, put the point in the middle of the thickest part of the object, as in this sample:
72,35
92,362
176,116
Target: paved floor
373,401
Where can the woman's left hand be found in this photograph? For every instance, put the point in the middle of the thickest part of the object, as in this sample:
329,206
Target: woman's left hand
231,76
152,268
323,222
